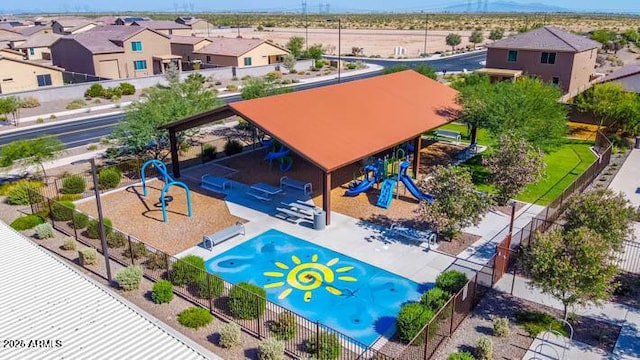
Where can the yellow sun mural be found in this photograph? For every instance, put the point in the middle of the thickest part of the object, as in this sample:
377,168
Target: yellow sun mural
308,276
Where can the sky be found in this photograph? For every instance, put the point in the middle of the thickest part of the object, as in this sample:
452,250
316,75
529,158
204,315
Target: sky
9,6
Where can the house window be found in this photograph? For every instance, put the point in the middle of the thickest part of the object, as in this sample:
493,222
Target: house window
247,61
7,79
44,80
548,58
512,56
208,59
32,51
140,65
188,58
170,31
136,46
555,81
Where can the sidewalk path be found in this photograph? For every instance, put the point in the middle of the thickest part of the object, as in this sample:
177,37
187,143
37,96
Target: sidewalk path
627,180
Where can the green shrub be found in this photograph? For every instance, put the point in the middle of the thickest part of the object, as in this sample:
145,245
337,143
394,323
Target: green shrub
232,88
534,322
69,243
162,292
327,347
129,278
484,348
26,222
411,319
136,249
451,281
116,239
247,301
93,228
209,151
461,355
29,102
76,104
285,327
44,231
195,317
127,88
73,184
501,327
187,270
68,197
95,90
435,298
24,192
271,349
201,286
230,335
92,147
112,93
155,261
87,256
62,210
79,220
232,146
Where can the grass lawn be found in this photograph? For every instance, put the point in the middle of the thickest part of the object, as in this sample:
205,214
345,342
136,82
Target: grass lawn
484,138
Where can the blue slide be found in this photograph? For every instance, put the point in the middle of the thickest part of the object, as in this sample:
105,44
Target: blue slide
411,186
275,155
365,184
386,193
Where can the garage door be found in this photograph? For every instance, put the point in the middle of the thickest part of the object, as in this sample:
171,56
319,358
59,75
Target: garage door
108,69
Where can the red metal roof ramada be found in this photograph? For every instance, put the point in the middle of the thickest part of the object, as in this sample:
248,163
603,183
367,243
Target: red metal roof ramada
336,125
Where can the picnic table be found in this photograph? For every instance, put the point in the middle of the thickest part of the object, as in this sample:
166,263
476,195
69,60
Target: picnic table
263,191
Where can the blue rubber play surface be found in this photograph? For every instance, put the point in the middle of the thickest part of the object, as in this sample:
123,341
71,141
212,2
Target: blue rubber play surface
355,298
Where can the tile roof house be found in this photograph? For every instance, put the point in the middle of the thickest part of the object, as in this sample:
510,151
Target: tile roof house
551,54
33,30
628,76
198,26
240,52
21,75
128,20
38,47
185,46
72,26
9,38
165,27
115,52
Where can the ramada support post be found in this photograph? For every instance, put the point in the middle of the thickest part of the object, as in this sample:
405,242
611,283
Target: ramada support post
175,161
326,196
417,145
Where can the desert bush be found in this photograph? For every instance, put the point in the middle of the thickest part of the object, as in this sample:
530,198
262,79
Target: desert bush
29,102
230,335
129,278
195,317
247,301
62,210
187,270
484,348
24,192
461,355
127,88
93,228
92,147
26,222
451,281
285,327
201,287
95,90
155,261
79,220
87,256
109,178
76,104
44,231
116,240
501,327
411,319
534,322
273,75
232,88
69,243
162,292
73,184
68,197
327,347
232,146
136,249
271,349
209,151
435,298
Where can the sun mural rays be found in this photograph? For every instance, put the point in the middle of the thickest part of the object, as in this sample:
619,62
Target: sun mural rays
308,276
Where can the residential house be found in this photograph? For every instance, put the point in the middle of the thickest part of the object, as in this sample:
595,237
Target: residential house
38,47
551,54
11,38
72,26
129,20
35,30
105,20
12,54
628,76
185,46
240,52
165,27
198,26
115,52
21,75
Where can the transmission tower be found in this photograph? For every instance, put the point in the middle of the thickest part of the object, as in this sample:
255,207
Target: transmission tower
479,6
468,6
327,7
486,6
306,24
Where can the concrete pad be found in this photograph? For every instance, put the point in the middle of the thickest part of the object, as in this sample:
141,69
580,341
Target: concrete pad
627,180
550,346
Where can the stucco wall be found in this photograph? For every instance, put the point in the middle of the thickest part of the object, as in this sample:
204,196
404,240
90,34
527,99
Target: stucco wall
16,76
37,53
71,56
584,64
260,55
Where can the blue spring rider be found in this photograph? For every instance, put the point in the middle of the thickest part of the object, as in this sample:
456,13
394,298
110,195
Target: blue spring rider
168,182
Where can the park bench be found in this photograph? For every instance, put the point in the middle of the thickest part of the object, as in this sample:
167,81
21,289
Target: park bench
223,235
286,181
215,183
449,134
416,236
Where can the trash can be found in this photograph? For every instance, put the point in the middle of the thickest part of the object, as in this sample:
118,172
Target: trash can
637,142
319,219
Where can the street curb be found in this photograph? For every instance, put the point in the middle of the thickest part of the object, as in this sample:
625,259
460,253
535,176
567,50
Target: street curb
36,126
420,59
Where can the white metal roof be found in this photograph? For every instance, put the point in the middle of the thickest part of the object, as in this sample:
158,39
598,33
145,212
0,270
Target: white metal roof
41,298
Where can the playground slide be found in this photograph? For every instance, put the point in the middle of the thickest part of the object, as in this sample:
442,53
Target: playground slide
366,183
275,155
411,186
386,193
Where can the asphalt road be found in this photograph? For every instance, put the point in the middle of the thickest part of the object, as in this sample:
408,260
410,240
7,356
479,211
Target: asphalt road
80,133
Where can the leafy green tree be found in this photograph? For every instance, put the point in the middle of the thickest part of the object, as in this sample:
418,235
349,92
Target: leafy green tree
425,70
575,267
631,35
453,40
289,62
612,106
608,214
456,203
603,35
476,37
314,52
11,105
514,164
295,45
496,34
158,106
394,69
257,87
31,152
472,91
